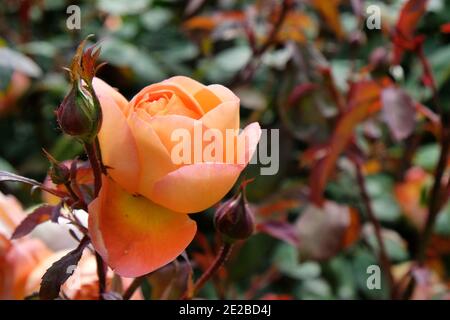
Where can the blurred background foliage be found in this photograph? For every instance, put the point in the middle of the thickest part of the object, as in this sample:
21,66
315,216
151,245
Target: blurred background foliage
281,83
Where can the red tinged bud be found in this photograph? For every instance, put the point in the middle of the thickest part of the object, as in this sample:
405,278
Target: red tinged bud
79,115
59,173
234,219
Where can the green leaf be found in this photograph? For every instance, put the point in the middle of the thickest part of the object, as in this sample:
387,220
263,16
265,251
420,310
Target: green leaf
232,60
442,225
362,259
156,18
380,189
286,258
121,53
427,156
6,166
15,60
120,7
314,289
5,79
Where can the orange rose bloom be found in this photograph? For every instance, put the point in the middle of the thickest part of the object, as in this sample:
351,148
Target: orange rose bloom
18,257
139,222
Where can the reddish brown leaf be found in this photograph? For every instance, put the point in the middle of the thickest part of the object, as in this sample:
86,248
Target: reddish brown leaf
170,281
280,230
409,17
321,231
7,176
408,195
398,112
329,9
353,231
35,218
209,23
299,91
60,271
364,100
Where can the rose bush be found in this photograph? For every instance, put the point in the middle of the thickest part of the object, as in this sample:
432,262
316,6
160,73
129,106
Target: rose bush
139,222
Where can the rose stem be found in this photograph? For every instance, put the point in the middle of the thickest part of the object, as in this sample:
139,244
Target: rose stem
384,259
246,73
96,166
435,200
222,256
92,152
133,287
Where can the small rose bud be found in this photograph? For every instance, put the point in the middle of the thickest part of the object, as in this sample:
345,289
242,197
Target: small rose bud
79,115
59,173
234,219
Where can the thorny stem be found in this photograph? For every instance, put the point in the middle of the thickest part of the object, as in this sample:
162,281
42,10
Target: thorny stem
222,256
246,73
133,287
261,282
101,273
383,257
71,192
93,153
435,197
436,192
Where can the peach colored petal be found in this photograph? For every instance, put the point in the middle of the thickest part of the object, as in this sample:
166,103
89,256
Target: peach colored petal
223,93
166,127
206,98
118,147
153,157
248,141
103,89
166,89
195,187
190,85
176,106
11,214
224,116
138,235
17,260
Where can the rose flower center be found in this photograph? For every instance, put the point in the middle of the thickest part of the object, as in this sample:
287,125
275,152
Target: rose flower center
165,104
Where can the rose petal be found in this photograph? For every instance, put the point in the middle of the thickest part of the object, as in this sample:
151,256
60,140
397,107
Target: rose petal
205,97
223,93
248,141
166,89
153,157
103,89
118,147
195,187
134,235
170,128
224,116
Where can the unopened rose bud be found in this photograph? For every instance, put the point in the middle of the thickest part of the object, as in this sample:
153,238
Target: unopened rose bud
234,219
59,173
79,115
